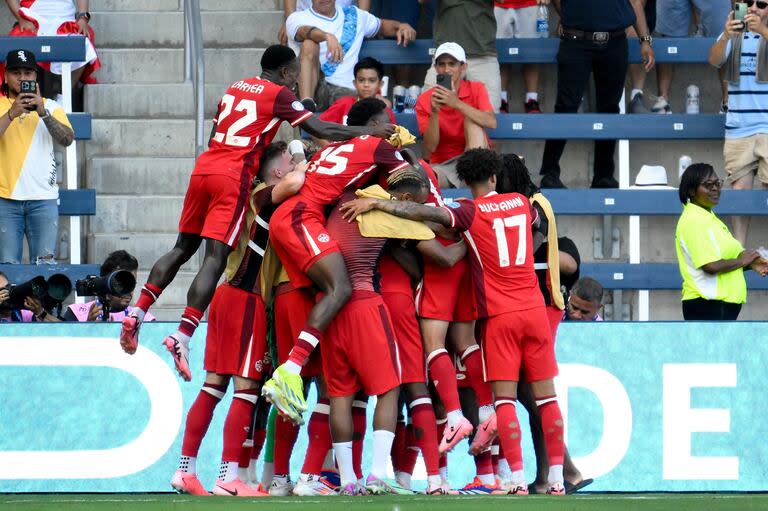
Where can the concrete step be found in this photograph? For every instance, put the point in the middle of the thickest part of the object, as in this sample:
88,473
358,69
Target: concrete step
174,296
117,214
150,100
177,5
146,247
144,137
171,313
164,65
139,176
166,29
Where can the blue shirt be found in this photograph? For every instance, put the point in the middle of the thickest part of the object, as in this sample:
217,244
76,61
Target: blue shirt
747,101
597,15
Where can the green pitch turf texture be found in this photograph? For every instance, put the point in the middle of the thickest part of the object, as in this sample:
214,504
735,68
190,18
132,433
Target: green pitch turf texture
586,502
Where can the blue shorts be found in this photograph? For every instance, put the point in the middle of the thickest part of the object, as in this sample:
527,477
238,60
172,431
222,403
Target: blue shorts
674,16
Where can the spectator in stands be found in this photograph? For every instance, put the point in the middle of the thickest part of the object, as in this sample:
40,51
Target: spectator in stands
745,150
711,260
33,310
472,25
517,19
674,18
327,39
584,301
118,305
58,17
28,189
453,120
593,40
637,72
291,6
367,82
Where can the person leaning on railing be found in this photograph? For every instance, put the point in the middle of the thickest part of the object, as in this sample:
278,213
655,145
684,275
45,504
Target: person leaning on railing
711,260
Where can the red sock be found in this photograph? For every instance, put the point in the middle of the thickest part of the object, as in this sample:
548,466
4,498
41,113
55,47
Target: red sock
473,361
552,424
319,433
252,448
441,424
359,425
190,320
398,445
483,463
509,432
306,342
237,423
199,418
443,375
495,456
285,438
149,295
425,430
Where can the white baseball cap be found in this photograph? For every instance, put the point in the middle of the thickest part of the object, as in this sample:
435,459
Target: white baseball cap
652,177
452,49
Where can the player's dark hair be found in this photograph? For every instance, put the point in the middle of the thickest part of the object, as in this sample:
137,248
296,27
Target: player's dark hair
693,176
276,57
588,289
118,260
514,177
407,180
478,165
370,63
271,152
362,111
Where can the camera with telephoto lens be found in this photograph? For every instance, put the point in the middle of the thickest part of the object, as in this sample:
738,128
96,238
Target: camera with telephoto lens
117,283
51,293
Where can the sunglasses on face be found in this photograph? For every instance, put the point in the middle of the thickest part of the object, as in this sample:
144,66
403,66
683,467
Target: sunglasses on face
711,185
760,4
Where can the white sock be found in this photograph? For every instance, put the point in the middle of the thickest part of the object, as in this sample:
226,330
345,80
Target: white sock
292,367
404,479
503,95
188,464
505,473
228,471
433,481
518,477
250,472
485,412
135,311
531,96
328,464
343,453
487,479
444,473
242,474
182,337
454,417
267,473
555,474
382,447
635,92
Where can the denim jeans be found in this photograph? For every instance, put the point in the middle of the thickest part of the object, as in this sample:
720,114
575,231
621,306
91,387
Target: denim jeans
38,219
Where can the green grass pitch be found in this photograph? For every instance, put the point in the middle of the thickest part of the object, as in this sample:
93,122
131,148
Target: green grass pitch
586,502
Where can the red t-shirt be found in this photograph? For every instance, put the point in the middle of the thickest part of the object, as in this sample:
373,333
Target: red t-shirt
339,110
452,141
497,229
514,4
247,120
347,165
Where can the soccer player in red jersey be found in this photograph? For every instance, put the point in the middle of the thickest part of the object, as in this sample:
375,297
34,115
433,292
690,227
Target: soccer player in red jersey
248,118
236,343
307,250
516,334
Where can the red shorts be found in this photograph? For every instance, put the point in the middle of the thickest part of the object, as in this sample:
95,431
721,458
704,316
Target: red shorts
292,306
555,316
446,293
237,334
519,341
402,312
300,238
215,207
360,349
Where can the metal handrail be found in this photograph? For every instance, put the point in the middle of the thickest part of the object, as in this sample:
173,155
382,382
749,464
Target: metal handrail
194,66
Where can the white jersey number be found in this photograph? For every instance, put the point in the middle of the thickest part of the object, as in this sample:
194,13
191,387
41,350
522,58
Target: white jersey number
499,227
332,155
231,137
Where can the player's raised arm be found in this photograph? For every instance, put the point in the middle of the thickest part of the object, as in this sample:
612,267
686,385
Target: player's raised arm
332,131
403,209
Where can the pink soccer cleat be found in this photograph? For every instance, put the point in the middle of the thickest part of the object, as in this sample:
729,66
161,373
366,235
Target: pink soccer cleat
184,482
484,436
129,334
237,488
455,434
179,350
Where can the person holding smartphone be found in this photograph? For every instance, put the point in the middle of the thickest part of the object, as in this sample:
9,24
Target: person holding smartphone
29,125
453,115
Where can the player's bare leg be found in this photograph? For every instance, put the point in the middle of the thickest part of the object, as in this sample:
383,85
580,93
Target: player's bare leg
162,274
199,296
443,376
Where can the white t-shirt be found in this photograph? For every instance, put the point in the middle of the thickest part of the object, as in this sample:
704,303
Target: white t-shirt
368,25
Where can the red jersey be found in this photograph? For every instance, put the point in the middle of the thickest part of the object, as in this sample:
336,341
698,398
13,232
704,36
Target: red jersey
393,277
247,120
497,229
339,111
347,165
514,4
434,198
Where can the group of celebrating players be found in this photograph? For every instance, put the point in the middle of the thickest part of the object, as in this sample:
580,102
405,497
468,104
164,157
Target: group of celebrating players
326,252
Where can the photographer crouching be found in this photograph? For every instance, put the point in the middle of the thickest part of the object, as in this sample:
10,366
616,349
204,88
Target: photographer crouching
113,290
28,311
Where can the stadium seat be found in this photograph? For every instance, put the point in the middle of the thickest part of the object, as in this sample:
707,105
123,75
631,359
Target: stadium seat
648,276
18,273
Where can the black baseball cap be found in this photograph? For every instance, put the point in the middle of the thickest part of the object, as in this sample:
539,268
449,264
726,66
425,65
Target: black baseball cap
21,59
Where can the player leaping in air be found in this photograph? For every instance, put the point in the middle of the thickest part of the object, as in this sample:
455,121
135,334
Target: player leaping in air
248,118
